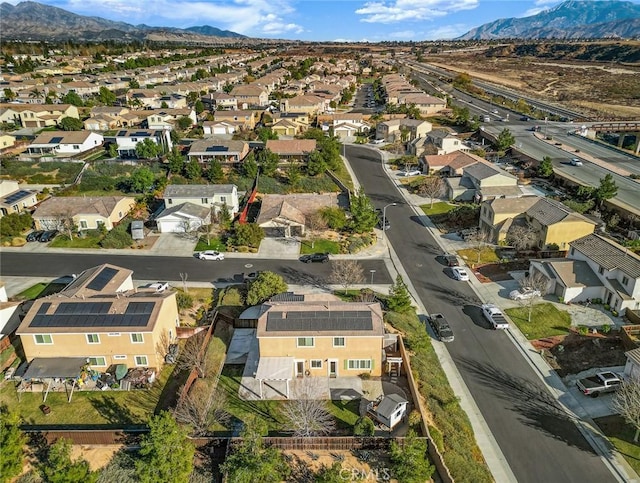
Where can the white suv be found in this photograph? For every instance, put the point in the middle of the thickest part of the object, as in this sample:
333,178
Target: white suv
210,255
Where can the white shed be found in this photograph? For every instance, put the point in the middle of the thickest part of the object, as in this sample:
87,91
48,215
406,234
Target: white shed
388,410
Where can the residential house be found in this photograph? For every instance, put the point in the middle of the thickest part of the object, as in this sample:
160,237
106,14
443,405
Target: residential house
291,150
318,338
481,181
250,95
445,142
40,115
86,212
65,142
448,164
212,196
310,104
216,101
426,104
229,153
7,141
103,319
402,129
245,119
104,118
9,317
220,128
13,199
166,118
183,218
286,215
596,268
127,140
289,124
632,366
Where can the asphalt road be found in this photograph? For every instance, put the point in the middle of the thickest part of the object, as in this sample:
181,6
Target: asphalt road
14,264
536,437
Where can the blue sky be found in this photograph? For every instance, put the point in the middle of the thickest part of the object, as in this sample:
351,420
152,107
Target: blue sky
315,20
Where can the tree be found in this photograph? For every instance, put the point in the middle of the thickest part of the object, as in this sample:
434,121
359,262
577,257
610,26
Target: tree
399,298
265,133
334,217
147,149
268,162
627,402
72,98
202,407
505,140
607,189
71,124
522,237
545,168
346,273
60,468
165,452
331,474
9,95
192,169
364,427
184,122
141,180
113,150
134,84
264,287
224,217
105,96
431,186
249,166
293,174
14,224
215,172
193,355
247,234
176,161
478,242
410,461
307,411
36,93
316,164
538,284
198,107
12,442
314,222
363,216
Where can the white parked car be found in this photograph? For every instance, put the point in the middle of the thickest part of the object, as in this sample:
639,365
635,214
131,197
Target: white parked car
411,172
210,255
524,294
460,273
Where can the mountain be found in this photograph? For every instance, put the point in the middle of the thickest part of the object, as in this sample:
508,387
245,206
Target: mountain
574,19
35,21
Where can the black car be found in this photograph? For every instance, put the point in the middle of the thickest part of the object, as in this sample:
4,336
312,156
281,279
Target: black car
450,260
34,235
47,236
315,257
441,327
250,277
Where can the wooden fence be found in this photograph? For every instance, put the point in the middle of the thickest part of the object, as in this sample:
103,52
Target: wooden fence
630,335
127,436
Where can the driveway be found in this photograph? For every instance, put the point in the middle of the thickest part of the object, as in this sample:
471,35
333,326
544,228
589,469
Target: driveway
593,407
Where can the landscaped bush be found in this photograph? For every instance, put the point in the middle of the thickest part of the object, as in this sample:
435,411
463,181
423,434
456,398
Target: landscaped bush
183,300
364,427
583,330
605,329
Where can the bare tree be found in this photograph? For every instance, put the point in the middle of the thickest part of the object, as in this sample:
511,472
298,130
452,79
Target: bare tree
315,223
346,273
431,186
162,346
201,407
478,242
307,411
536,286
522,237
627,402
193,355
66,224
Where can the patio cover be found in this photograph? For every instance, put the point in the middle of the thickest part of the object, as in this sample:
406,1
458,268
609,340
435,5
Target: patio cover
275,369
48,368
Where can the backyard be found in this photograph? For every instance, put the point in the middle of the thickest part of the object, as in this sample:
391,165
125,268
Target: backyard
33,172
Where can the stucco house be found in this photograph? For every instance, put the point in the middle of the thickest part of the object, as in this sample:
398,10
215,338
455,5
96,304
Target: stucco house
286,215
402,129
65,142
228,153
13,199
7,141
183,218
38,115
250,95
166,118
87,213
451,164
102,318
307,103
426,104
481,181
291,150
211,196
632,366
127,140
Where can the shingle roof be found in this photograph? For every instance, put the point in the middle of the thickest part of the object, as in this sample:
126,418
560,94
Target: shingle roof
291,146
233,147
197,190
511,205
190,209
548,211
62,137
79,205
608,254
482,171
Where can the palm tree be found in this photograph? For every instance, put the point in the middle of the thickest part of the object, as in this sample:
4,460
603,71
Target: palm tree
36,93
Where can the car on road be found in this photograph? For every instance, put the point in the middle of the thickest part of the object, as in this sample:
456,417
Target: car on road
411,172
524,294
250,277
34,235
525,118
315,258
47,236
441,327
494,315
600,383
211,255
377,141
575,162
450,260
495,111
460,273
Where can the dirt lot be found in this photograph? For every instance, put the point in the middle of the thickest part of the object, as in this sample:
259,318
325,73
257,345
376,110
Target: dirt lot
575,353
497,272
354,468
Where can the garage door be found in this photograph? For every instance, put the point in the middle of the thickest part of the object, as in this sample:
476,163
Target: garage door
170,226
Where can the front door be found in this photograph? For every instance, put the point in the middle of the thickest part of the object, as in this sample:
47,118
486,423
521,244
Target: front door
299,368
333,368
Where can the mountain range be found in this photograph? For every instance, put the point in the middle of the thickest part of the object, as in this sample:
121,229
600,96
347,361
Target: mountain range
574,19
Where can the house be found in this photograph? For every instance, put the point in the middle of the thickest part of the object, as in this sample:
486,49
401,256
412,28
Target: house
426,104
402,129
309,104
38,115
244,119
481,181
220,128
65,142
87,213
166,118
219,101
632,366
445,142
290,123
228,153
9,317
13,199
127,140
596,268
552,222
211,196
318,338
286,215
183,218
7,141
250,95
291,150
103,118
448,164
103,319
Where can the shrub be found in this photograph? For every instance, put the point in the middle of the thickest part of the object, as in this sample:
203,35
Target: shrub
606,306
437,438
183,300
614,313
363,427
605,329
596,301
583,330
364,375
561,299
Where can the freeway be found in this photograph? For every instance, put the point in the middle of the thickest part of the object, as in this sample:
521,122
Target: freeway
536,436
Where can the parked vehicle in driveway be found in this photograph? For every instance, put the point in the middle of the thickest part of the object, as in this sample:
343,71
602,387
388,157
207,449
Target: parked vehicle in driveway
315,258
460,273
524,294
211,255
411,172
441,327
34,235
494,315
47,236
601,382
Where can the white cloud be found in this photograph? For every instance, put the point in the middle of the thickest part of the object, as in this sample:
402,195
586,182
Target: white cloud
403,34
411,10
446,32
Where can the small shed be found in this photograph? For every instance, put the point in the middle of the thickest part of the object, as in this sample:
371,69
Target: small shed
388,410
137,230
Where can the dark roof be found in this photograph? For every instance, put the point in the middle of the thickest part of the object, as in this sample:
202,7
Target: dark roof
319,321
608,254
47,367
389,404
85,314
287,297
17,196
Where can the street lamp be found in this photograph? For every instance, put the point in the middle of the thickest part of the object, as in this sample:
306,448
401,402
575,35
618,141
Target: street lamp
384,217
372,272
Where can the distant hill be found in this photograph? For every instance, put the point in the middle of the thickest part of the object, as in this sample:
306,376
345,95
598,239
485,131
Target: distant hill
574,19
35,21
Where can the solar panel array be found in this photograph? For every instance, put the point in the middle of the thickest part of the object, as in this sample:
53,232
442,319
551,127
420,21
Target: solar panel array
323,321
121,133
287,297
56,140
92,315
102,279
140,134
211,149
18,195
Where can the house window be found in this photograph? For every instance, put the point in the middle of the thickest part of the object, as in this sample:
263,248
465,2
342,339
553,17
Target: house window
169,201
223,199
137,338
135,140
76,147
601,270
43,339
99,223
119,357
97,361
625,280
316,363
359,364
141,361
83,224
572,250
93,339
204,201
338,342
305,342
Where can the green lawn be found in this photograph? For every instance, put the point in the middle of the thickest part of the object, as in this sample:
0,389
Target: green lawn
439,208
214,244
87,407
91,240
621,435
320,245
546,320
40,289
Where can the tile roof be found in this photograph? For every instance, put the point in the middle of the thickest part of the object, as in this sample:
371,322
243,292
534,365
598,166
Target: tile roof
197,190
608,254
291,146
79,205
64,137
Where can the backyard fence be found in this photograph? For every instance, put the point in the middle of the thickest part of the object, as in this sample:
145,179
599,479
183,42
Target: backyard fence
630,335
127,436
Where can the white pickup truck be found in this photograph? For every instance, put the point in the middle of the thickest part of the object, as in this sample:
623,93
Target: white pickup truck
494,315
601,382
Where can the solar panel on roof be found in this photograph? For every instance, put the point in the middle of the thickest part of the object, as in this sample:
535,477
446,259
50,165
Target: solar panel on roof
320,321
102,279
121,133
56,140
220,149
12,198
140,134
139,308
